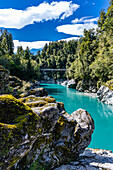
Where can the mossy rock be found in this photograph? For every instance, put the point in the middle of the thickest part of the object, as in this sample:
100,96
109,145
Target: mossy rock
48,135
33,101
11,108
38,92
17,122
39,103
33,98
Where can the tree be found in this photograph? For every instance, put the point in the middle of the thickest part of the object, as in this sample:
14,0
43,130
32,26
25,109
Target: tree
20,51
27,54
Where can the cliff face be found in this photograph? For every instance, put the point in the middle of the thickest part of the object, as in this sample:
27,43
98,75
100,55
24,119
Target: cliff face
44,134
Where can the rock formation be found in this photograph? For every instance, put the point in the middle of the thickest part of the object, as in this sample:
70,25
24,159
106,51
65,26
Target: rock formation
43,135
72,83
105,95
82,86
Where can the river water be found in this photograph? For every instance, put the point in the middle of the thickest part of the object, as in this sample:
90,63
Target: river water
101,113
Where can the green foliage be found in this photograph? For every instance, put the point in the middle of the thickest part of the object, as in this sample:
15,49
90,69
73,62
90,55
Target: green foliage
20,64
109,84
6,42
95,52
27,54
57,55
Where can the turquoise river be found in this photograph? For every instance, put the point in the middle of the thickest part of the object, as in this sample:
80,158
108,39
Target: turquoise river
101,113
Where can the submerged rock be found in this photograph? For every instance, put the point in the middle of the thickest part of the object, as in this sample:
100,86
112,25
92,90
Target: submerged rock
45,135
105,95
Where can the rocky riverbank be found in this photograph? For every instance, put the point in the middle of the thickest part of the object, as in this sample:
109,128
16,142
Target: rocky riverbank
82,86
91,159
104,94
36,132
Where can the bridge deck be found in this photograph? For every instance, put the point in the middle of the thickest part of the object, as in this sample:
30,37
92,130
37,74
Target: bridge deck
49,69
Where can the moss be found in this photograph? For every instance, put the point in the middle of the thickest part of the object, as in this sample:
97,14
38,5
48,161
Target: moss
60,125
17,120
33,98
10,108
38,92
42,143
36,104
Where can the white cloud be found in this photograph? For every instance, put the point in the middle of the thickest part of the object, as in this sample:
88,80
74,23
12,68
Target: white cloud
31,45
85,19
13,18
91,20
79,20
75,29
36,44
71,38
78,29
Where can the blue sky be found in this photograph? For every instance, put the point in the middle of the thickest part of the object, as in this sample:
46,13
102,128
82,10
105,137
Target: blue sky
35,22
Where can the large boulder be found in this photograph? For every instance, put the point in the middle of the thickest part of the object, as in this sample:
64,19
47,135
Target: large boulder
4,79
87,86
18,130
43,136
105,95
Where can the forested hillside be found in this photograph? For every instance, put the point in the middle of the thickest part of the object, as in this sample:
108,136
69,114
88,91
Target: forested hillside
21,64
89,58
95,51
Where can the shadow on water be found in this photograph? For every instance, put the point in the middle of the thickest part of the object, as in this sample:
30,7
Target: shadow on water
54,91
44,85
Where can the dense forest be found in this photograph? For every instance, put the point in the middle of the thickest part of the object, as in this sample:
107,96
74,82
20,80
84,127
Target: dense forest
20,64
95,51
89,58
